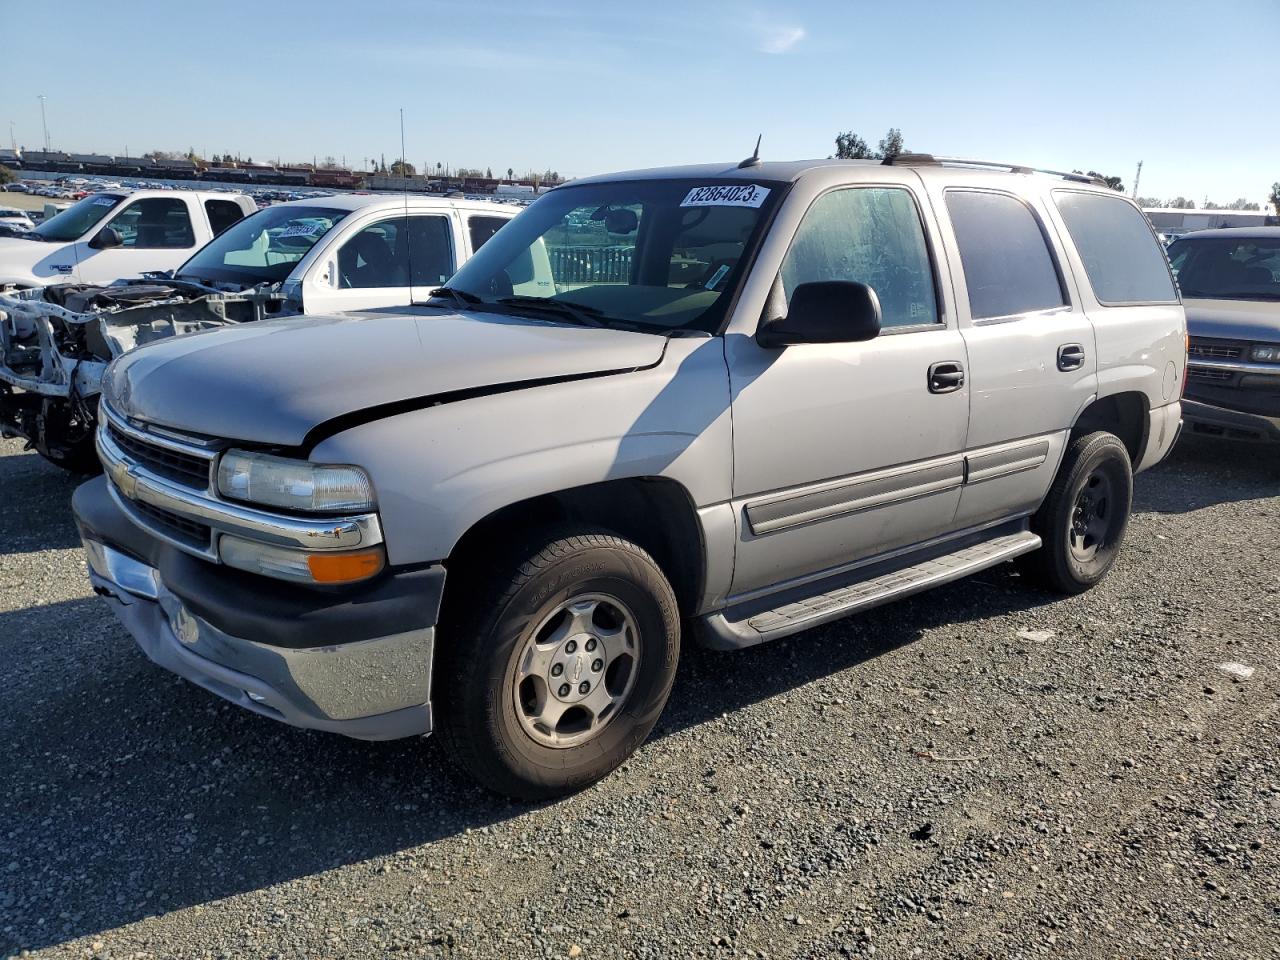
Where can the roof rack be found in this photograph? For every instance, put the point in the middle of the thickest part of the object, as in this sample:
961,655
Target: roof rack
928,159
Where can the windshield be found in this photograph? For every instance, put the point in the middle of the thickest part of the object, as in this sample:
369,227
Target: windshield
263,247
657,254
75,221
1227,268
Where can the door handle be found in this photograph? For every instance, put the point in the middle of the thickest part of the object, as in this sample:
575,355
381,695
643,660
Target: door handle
1070,356
946,376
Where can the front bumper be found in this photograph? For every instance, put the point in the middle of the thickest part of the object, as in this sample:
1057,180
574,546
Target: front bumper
356,664
1206,419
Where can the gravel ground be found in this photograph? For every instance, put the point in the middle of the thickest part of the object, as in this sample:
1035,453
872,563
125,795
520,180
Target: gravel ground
983,771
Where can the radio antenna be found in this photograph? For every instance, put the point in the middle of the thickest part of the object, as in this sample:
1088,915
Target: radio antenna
408,237
754,159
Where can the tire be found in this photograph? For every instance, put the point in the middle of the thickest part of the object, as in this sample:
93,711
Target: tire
522,645
1082,521
78,457
65,437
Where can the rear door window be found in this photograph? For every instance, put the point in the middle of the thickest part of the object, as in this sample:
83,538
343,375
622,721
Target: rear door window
1121,254
482,228
222,214
1008,267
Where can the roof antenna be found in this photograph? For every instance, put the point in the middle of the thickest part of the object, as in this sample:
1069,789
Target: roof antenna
754,159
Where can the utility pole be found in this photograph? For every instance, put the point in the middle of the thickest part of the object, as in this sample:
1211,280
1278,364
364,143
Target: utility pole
44,124
13,143
1136,177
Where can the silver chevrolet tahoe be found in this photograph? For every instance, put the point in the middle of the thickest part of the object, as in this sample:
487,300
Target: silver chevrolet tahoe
729,402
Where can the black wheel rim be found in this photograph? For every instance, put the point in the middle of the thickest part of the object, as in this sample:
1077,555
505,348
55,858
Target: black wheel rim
1093,517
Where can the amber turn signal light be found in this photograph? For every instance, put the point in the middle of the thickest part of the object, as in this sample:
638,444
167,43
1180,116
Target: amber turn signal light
344,567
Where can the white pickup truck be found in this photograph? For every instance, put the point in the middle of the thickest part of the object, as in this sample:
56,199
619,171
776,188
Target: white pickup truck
118,234
330,255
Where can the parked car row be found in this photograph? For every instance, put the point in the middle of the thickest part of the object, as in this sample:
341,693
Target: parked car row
334,254
720,403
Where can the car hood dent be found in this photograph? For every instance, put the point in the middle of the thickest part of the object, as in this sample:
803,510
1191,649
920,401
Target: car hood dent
1234,319
273,382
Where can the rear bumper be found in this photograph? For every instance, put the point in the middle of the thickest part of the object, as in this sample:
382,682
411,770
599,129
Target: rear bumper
1164,425
1205,419
355,664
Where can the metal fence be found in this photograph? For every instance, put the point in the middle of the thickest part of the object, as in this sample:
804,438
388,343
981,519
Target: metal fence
590,264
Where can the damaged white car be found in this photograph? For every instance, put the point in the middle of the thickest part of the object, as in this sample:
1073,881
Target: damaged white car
312,256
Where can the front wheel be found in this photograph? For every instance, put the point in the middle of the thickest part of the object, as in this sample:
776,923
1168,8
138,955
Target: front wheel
556,665
1082,521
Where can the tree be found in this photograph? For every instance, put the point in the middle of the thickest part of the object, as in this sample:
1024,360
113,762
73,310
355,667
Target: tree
850,146
1210,205
488,173
511,173
1115,183
6,175
1181,203
1274,199
1242,204
328,163
402,168
891,145
1147,203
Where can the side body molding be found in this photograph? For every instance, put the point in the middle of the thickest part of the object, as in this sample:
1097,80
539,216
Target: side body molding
866,491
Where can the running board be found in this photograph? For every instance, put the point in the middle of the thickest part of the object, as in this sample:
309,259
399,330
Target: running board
722,633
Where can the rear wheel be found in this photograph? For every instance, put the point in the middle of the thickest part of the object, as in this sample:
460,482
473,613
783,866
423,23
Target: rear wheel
555,666
1082,521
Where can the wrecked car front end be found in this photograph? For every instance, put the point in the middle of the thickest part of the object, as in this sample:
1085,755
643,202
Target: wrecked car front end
56,342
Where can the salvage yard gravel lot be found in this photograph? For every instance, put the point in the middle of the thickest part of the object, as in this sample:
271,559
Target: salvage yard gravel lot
981,771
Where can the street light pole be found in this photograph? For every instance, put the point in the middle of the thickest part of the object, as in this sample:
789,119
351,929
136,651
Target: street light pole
44,124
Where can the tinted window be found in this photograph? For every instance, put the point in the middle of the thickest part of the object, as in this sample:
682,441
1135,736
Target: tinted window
222,214
482,228
1120,253
871,235
1007,265
155,223
430,251
380,254
1228,268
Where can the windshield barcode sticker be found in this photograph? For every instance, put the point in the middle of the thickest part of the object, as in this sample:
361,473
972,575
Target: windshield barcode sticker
726,196
299,230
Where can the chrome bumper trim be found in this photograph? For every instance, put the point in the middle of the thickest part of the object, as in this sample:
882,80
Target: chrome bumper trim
1234,366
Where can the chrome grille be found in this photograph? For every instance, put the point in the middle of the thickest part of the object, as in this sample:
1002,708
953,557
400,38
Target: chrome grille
188,531
183,468
1206,373
1220,351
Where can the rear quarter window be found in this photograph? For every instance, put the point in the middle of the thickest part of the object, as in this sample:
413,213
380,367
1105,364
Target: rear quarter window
1118,248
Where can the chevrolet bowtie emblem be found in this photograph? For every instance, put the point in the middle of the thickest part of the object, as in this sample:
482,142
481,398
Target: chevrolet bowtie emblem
124,479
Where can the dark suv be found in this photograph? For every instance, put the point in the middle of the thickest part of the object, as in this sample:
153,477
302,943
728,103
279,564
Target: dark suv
1230,283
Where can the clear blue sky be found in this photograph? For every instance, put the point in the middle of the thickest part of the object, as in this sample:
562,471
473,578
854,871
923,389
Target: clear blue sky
586,86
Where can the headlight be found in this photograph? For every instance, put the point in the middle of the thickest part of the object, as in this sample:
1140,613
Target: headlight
1266,354
293,484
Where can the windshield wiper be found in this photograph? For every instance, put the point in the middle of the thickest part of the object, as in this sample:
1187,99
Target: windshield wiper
460,298
577,312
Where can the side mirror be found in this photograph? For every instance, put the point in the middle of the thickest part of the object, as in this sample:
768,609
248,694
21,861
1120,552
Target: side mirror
107,238
829,311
